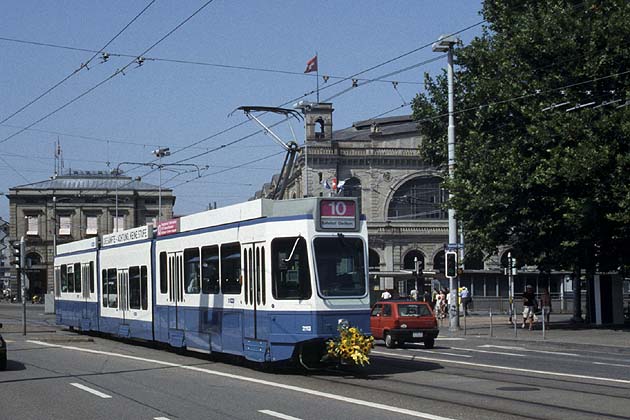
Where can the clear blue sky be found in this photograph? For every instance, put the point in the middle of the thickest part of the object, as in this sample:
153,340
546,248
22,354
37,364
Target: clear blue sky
163,103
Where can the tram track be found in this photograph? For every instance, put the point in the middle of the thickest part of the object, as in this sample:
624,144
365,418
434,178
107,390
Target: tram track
427,391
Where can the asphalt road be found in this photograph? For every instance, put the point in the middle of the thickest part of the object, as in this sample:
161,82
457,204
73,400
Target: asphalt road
69,376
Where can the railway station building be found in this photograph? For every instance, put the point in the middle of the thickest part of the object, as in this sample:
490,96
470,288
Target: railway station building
73,206
378,161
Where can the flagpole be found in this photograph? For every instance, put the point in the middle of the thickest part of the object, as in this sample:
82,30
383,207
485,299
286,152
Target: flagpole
317,58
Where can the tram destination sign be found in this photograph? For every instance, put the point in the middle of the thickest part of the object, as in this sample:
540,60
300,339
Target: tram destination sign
337,214
129,235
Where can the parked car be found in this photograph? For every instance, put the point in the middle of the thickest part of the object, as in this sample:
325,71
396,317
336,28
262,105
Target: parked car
3,352
404,321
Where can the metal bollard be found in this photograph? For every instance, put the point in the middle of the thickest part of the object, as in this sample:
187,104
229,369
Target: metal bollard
464,322
490,322
543,322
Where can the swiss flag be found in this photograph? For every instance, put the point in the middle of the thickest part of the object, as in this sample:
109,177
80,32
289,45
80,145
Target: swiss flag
311,65
333,184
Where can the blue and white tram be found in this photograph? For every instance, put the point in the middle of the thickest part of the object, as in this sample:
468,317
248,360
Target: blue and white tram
76,298
266,280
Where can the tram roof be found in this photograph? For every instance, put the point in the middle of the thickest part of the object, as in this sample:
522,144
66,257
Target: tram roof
248,210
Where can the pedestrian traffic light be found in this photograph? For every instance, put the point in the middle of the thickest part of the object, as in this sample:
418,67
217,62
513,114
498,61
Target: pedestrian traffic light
418,267
451,264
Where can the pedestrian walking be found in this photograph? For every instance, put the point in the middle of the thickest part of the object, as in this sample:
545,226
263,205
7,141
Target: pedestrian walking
386,295
529,303
466,299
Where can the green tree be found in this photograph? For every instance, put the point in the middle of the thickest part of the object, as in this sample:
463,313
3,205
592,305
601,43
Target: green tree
532,173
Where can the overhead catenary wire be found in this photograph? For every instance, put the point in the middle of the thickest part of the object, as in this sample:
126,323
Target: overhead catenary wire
237,125
119,71
81,67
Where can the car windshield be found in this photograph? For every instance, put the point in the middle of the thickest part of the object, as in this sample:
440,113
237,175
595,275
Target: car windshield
413,309
340,266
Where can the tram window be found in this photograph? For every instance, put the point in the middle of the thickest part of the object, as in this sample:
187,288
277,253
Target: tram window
340,266
91,276
290,273
231,268
57,281
112,288
210,269
64,278
263,275
191,271
163,273
77,277
250,274
258,276
134,287
143,287
70,279
246,282
104,287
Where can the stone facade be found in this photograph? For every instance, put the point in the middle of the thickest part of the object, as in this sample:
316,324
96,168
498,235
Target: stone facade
378,161
76,206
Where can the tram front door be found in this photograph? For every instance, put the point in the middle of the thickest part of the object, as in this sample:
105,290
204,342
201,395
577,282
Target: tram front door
255,325
176,298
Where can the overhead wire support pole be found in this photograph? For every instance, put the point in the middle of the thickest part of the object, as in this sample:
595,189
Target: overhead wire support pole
446,44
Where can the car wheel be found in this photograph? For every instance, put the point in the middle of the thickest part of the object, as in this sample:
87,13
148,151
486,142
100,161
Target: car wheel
3,362
389,341
429,343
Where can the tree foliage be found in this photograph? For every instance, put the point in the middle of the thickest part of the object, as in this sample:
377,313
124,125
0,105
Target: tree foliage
550,182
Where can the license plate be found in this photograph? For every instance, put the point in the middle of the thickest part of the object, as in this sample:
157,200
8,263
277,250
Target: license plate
416,335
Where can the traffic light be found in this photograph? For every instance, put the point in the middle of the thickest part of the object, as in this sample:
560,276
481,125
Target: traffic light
451,264
16,257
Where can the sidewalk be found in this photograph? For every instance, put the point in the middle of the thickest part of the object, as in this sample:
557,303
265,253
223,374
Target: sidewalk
560,332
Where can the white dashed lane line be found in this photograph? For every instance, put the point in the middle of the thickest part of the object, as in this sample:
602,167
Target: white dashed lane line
90,390
278,415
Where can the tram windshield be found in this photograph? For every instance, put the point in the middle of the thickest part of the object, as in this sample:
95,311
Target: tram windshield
340,266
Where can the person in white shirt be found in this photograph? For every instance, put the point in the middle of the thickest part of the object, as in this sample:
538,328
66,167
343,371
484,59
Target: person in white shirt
386,295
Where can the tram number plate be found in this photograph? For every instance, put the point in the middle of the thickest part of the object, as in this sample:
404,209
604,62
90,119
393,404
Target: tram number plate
337,214
416,335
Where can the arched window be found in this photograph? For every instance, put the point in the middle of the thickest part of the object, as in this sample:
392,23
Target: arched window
352,188
374,261
438,262
319,128
409,260
419,198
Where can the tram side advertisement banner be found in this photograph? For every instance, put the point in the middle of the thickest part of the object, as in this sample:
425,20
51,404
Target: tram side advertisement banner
336,214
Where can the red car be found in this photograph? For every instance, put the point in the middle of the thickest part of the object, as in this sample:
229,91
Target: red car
401,321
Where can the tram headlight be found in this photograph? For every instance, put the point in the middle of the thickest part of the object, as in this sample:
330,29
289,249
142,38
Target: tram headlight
343,323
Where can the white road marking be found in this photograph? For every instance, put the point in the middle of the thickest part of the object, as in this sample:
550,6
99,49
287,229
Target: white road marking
278,415
307,391
488,351
161,418
450,339
440,352
90,390
529,350
513,369
611,364
9,341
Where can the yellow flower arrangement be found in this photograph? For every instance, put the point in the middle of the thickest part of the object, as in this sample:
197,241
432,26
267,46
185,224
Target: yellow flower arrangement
351,346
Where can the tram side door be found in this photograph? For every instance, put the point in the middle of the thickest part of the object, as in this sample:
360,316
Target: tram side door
254,290
123,294
175,290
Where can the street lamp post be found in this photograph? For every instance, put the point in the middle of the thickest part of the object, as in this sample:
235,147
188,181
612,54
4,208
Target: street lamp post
445,44
160,153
